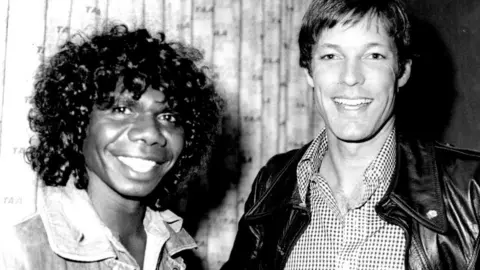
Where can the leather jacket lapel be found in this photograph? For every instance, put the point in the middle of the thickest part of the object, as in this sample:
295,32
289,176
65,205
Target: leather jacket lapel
281,189
416,186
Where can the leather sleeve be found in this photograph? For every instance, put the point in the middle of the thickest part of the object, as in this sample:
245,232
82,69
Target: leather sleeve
474,195
460,169
248,240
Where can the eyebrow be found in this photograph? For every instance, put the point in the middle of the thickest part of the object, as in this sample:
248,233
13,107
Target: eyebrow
127,100
337,46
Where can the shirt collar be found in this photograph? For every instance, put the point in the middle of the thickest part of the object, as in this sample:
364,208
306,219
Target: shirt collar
378,172
75,231
310,163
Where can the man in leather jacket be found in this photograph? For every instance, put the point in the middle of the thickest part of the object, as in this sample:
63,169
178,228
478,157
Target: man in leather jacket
361,195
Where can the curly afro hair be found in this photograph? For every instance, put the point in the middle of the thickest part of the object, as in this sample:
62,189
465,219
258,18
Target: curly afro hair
83,75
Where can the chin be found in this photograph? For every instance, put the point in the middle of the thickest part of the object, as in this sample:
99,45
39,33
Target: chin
354,135
137,192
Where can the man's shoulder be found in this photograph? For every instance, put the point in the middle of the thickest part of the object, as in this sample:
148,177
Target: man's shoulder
443,153
452,152
288,158
279,171
461,164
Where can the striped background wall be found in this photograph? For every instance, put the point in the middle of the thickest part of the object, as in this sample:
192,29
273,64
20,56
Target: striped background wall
251,45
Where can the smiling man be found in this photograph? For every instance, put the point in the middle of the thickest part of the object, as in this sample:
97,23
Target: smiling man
123,121
361,195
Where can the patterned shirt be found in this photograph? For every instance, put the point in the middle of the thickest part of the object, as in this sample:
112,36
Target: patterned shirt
358,240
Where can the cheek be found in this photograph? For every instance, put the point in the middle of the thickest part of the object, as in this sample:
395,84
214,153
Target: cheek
110,133
100,136
326,82
383,72
326,85
382,80
89,150
179,145
177,141
89,141
326,73
324,105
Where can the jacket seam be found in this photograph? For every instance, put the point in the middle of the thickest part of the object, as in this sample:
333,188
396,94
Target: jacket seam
474,259
420,251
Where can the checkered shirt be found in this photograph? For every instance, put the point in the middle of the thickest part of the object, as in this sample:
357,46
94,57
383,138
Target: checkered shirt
360,240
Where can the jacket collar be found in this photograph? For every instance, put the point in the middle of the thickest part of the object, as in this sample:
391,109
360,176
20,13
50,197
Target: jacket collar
415,186
282,186
75,231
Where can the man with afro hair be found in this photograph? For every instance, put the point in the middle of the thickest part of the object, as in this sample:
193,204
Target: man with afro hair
123,120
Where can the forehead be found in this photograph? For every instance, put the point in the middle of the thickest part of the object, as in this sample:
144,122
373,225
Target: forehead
351,32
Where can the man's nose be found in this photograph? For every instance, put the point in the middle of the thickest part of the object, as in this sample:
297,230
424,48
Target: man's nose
147,130
352,73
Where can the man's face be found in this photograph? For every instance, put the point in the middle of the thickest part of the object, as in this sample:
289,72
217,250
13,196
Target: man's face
355,75
130,147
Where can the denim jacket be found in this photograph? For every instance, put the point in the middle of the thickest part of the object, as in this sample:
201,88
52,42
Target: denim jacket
66,233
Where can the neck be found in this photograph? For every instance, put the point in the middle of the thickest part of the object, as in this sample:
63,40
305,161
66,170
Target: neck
123,216
345,162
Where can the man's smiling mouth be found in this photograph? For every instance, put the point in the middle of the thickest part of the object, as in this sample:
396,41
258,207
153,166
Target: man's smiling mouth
352,104
138,164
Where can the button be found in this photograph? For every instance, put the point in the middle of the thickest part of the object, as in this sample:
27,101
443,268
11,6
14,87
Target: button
432,214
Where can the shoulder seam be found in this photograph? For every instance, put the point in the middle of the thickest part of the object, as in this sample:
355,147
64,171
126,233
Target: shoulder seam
460,151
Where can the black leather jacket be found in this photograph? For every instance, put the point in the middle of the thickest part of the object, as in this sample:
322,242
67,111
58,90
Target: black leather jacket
434,197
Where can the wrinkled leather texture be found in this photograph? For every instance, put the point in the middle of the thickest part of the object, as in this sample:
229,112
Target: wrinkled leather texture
434,197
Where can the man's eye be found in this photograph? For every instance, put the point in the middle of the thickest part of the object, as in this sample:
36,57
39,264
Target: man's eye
376,56
169,117
328,57
121,110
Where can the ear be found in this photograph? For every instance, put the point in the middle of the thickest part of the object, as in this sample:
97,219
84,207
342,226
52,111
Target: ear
407,68
309,78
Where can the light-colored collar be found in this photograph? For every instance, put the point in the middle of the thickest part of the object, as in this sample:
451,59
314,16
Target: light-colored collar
310,163
75,231
379,170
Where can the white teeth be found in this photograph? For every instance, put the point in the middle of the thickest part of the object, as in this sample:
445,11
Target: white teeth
138,164
352,102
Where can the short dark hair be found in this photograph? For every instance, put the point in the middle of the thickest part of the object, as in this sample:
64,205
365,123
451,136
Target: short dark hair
85,74
325,14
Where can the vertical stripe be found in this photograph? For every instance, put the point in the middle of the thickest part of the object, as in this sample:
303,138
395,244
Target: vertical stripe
4,8
271,80
250,98
202,31
23,54
299,112
225,62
